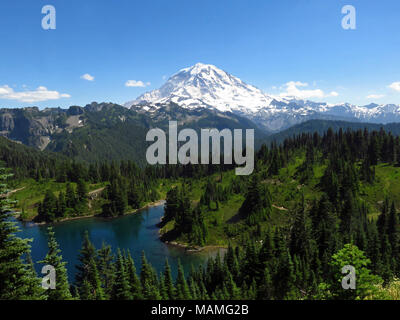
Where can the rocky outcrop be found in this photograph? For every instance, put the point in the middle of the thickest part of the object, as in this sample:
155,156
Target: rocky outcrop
35,127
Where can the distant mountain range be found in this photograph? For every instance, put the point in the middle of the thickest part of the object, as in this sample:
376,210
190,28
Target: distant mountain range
206,86
322,126
107,131
201,96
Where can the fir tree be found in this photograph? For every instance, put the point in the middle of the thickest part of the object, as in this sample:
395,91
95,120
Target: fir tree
168,282
17,281
54,259
182,289
135,285
121,288
106,268
85,268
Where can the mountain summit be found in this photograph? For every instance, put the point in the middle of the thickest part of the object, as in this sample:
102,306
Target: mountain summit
206,86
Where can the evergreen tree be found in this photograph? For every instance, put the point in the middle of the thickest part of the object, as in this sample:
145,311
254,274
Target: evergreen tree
70,197
121,288
168,282
82,191
48,209
256,206
94,281
182,289
106,268
54,259
394,238
133,279
148,279
61,205
85,269
265,291
17,281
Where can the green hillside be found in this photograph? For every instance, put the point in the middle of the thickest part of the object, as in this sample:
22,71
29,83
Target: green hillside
321,126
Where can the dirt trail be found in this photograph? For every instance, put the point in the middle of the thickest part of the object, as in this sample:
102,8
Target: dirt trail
96,191
11,192
93,195
280,208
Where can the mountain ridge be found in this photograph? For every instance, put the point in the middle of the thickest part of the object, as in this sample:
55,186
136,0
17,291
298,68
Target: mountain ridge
206,86
107,131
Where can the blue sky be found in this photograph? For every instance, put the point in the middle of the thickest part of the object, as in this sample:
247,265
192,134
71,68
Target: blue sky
275,45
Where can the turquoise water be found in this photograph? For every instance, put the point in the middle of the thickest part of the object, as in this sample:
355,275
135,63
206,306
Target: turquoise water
136,232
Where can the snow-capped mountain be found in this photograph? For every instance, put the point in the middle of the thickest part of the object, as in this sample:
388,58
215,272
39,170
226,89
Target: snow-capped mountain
206,86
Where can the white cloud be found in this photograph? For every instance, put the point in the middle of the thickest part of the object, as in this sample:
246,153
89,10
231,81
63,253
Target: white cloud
87,77
395,86
134,83
293,90
375,96
40,94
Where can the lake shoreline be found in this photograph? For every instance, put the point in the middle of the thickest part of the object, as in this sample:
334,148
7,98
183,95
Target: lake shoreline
136,233
149,205
187,247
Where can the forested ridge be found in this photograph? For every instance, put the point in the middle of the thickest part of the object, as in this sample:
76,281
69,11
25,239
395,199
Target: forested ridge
313,204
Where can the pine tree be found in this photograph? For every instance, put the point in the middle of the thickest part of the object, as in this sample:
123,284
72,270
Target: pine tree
285,278
61,205
134,197
35,290
95,282
148,279
121,288
135,285
17,281
394,237
85,268
301,242
265,291
256,206
168,282
82,191
70,197
48,208
194,290
54,259
106,268
182,289
232,290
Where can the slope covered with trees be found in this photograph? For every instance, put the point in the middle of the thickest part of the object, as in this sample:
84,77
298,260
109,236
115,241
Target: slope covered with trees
313,204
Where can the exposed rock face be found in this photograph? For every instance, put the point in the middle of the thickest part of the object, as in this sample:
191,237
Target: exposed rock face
35,127
106,130
6,122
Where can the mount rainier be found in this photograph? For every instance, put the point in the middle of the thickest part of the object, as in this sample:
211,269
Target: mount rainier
206,86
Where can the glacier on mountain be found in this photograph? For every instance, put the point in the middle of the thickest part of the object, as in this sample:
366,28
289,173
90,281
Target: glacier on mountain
206,86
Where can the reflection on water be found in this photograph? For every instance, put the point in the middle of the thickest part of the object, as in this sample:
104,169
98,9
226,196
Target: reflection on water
136,232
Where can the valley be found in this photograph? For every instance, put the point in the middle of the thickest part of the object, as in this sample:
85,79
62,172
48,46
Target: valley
159,154
308,196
